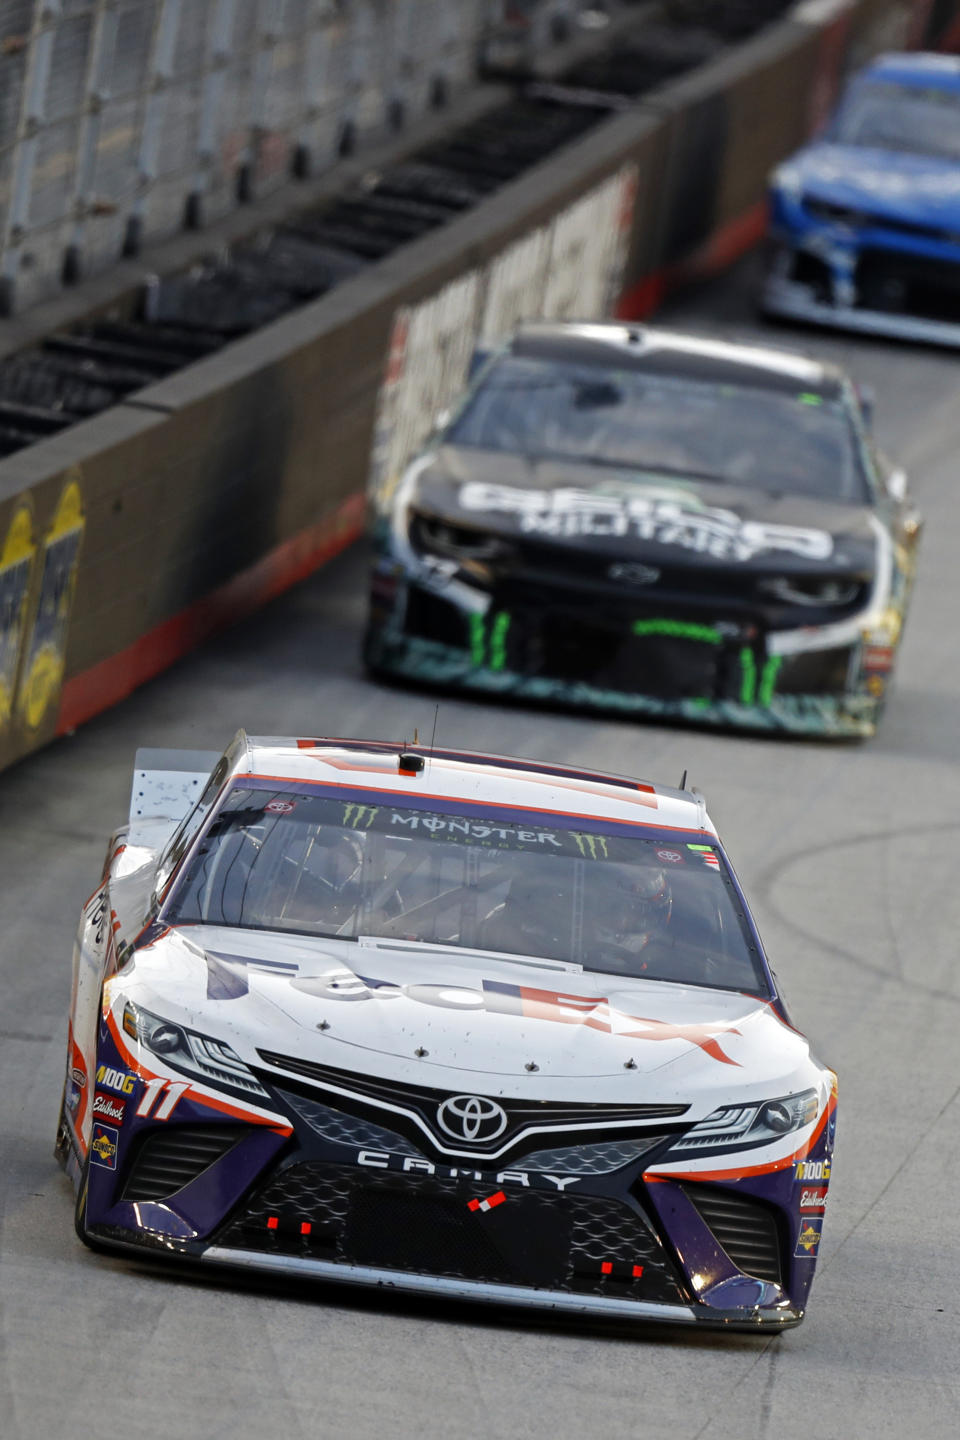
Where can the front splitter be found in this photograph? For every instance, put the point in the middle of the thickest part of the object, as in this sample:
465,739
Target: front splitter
523,1297
428,662
786,300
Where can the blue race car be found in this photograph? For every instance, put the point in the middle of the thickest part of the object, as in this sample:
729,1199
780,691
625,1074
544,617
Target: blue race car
865,222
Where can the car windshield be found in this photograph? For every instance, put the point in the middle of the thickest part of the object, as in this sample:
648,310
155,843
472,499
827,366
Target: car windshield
919,119
607,900
801,444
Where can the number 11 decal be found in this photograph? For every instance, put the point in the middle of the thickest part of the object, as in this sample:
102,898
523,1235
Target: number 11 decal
154,1088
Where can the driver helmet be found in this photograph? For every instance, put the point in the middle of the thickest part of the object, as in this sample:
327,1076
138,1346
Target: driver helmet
630,906
328,889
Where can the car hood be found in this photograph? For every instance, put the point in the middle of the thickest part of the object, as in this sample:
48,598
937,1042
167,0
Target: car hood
643,516
916,188
468,1021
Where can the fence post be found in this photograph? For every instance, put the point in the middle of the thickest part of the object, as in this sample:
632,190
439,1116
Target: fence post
32,112
96,95
159,74
219,41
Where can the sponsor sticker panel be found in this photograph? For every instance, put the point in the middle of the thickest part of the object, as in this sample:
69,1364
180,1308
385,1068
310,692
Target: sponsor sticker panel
103,1146
808,1241
108,1108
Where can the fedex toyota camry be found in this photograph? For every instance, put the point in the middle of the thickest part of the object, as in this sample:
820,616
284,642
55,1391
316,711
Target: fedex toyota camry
445,1023
647,522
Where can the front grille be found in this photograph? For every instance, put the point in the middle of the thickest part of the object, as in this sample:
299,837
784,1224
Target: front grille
341,1129
908,284
369,1098
807,269
168,1159
432,1234
590,1159
666,666
424,1225
815,672
429,617
746,1228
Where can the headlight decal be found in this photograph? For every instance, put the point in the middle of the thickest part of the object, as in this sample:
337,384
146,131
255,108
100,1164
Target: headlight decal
203,1089
740,1127
202,1056
684,1164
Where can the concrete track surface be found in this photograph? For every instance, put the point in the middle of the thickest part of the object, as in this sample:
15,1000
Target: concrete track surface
851,855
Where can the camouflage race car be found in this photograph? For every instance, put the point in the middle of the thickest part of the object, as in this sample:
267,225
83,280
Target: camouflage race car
640,521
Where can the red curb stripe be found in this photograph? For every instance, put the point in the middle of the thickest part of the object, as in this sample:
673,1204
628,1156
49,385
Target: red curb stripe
727,243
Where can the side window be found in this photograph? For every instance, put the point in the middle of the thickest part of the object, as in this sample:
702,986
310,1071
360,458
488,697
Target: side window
191,823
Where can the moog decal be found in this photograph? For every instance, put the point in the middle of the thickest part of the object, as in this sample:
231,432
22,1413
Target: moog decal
119,1081
812,1170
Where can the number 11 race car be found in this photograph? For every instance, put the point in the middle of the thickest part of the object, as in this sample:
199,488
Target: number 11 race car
443,1023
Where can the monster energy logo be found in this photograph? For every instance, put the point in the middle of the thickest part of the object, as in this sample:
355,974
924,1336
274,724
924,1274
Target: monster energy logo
593,847
678,630
360,817
752,693
489,649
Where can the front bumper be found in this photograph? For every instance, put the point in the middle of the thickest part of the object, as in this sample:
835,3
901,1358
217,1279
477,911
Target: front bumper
679,671
868,290
525,1297
394,1282
583,1227
536,1250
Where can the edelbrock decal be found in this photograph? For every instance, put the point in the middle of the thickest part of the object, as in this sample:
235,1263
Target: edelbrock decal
579,514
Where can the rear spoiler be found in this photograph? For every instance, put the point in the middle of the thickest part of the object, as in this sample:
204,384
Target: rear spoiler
166,785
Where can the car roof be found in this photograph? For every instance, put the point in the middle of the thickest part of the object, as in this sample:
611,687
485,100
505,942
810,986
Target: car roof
670,352
939,71
474,778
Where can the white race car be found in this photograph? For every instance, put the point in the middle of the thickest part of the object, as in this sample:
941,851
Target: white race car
444,1022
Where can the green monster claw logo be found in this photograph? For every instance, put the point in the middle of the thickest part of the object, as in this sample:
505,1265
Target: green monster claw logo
593,847
497,656
360,817
750,692
678,630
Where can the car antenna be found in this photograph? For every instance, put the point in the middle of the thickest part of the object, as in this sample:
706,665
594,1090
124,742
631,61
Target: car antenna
683,781
436,716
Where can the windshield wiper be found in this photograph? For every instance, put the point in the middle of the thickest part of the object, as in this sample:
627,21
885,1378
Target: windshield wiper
386,942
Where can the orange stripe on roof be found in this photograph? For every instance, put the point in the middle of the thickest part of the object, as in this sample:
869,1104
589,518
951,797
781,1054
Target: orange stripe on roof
644,795
495,804
481,758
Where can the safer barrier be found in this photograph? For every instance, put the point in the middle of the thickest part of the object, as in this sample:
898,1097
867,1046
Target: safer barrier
131,536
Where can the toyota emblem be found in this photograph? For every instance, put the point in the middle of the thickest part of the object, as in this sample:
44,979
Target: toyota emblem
471,1117
634,574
